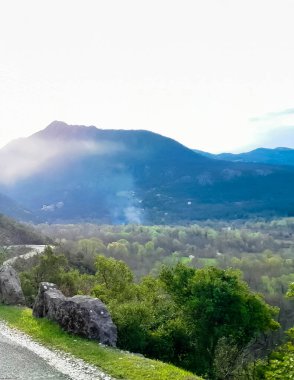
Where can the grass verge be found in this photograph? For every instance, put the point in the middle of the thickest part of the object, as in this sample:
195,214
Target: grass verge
119,364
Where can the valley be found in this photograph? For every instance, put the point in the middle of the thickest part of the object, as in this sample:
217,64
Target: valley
135,258
167,238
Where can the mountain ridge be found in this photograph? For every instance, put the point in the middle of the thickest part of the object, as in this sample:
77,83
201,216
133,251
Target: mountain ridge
77,173
271,156
13,232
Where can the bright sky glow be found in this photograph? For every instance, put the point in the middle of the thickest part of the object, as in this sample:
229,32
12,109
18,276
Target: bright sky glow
216,75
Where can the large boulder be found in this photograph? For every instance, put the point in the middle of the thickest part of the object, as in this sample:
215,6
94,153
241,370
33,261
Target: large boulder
82,315
10,289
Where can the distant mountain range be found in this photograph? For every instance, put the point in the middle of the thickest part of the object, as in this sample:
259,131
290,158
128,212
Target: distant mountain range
74,173
277,156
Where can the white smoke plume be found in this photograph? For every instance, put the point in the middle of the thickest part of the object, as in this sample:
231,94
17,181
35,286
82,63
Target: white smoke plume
133,215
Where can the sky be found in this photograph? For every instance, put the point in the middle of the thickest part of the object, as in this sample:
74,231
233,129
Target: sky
216,75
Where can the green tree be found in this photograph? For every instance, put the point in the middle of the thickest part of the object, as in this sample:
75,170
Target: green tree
51,267
118,249
281,363
3,253
216,303
91,247
114,279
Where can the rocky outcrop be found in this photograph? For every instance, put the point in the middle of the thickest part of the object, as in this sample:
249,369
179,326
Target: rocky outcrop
82,315
10,288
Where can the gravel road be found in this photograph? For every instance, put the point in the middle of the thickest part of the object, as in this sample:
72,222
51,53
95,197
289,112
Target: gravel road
22,358
35,250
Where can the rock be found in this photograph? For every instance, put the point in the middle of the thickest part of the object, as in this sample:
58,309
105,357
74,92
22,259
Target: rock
10,289
81,315
47,300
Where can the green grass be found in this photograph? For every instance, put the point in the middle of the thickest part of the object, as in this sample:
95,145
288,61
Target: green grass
119,364
208,261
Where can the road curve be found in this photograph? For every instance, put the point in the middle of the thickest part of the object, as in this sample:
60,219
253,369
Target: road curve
22,358
34,250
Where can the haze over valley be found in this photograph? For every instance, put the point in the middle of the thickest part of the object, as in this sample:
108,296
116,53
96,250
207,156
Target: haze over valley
69,173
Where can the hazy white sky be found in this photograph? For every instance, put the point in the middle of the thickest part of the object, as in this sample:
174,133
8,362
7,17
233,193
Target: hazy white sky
216,75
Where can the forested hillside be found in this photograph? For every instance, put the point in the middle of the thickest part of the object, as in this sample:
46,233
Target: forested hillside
263,251
71,173
15,233
189,317
155,280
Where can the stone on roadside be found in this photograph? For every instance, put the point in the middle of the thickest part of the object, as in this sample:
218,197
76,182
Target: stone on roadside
81,315
10,289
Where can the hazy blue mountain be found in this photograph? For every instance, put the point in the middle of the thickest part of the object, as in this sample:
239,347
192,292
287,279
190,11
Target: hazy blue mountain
277,156
12,208
207,154
75,173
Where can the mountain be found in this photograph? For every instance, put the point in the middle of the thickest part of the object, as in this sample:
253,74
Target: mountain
75,173
277,156
12,232
12,208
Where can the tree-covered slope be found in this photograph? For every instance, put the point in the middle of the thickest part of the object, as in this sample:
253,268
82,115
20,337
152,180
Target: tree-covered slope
79,173
12,232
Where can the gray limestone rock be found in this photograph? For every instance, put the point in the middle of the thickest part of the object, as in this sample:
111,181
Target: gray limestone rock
10,289
82,315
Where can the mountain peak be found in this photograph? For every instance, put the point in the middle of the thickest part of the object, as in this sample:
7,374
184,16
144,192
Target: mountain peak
141,141
59,129
57,124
